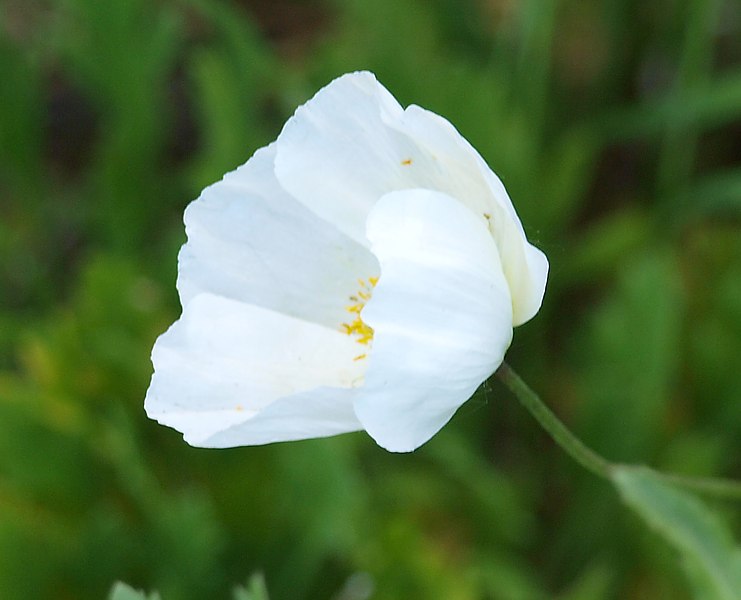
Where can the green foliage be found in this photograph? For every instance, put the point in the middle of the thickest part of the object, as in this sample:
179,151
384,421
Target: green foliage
712,559
615,127
255,589
121,591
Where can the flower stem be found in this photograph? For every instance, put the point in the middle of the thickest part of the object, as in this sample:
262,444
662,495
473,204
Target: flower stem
571,444
587,457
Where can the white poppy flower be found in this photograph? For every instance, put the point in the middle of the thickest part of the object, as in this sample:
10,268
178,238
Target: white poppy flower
364,271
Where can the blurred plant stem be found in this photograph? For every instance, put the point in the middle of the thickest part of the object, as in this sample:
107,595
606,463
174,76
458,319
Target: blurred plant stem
560,434
587,457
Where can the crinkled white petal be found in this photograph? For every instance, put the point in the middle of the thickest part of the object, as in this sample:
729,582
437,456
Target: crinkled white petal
525,266
353,142
229,373
249,240
320,412
441,314
337,156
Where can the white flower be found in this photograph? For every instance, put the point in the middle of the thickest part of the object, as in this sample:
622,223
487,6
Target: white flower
364,271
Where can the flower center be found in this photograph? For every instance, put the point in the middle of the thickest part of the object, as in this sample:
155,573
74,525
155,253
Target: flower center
356,327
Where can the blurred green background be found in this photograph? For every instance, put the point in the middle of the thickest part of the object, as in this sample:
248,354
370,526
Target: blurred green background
616,126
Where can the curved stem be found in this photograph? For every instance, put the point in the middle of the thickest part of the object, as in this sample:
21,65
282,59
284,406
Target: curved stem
587,457
571,444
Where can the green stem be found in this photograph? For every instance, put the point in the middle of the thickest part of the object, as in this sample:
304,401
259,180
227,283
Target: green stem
571,444
587,457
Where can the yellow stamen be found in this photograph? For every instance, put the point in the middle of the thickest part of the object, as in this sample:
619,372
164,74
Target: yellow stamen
358,328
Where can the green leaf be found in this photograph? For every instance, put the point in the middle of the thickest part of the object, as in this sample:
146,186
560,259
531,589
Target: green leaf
712,560
630,357
716,194
706,106
21,119
602,247
121,591
255,590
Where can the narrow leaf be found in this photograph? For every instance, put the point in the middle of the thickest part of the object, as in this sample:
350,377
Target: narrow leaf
690,527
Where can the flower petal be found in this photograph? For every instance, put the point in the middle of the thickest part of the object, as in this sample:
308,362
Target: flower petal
441,314
249,240
337,156
356,131
230,373
466,173
320,412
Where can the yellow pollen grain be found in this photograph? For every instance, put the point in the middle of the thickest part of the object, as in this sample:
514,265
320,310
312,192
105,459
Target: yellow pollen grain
406,162
360,357
357,327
